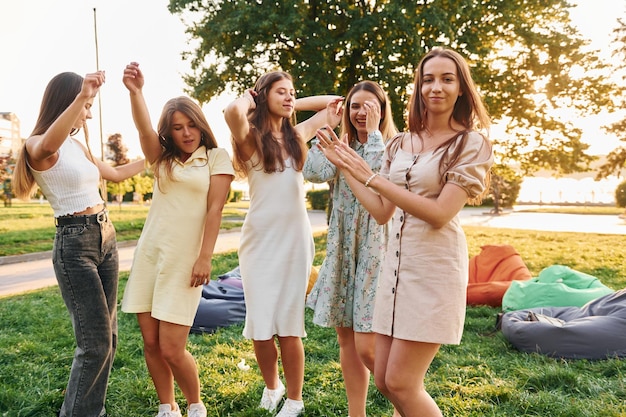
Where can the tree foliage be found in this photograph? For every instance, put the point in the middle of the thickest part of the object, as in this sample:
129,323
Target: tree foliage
620,195
118,152
118,156
526,57
616,159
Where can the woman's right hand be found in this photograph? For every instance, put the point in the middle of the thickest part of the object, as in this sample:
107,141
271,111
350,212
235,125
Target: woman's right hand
92,83
133,77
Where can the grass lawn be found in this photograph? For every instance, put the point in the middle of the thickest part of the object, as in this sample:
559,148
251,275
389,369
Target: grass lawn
484,376
29,227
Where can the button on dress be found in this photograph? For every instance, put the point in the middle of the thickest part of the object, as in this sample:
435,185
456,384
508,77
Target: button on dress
422,290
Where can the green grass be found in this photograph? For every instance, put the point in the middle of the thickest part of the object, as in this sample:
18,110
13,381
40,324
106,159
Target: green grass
484,376
29,227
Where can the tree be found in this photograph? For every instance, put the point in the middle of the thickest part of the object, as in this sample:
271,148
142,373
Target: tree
118,156
616,159
620,195
142,184
524,54
118,152
7,165
504,187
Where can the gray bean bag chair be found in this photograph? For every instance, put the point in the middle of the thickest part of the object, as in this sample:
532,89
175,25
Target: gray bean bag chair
221,305
596,330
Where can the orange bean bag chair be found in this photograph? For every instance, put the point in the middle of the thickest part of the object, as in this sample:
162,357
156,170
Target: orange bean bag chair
491,273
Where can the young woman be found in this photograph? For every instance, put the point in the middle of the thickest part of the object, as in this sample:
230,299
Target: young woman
428,175
343,295
173,256
84,255
276,249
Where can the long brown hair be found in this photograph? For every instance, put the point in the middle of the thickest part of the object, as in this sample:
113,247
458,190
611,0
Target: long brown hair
58,95
170,152
469,110
269,150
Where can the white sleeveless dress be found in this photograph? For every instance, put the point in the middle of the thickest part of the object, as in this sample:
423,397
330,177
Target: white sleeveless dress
275,253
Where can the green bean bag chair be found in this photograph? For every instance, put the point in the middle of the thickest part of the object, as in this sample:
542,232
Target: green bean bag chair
556,286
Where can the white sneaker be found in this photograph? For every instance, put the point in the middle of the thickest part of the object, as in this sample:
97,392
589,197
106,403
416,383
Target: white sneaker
291,408
271,397
196,410
165,410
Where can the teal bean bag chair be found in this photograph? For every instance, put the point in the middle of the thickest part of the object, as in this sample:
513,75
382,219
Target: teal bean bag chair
556,286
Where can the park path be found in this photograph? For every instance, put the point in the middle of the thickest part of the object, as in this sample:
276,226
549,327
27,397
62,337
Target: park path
25,273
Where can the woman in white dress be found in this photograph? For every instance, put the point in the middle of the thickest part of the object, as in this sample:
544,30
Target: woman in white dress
276,250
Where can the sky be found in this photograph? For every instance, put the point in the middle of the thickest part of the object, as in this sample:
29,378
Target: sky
41,38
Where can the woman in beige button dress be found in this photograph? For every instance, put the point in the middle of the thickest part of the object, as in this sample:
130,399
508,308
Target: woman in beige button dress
428,175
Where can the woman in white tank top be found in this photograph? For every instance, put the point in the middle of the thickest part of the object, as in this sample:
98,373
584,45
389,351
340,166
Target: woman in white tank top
85,255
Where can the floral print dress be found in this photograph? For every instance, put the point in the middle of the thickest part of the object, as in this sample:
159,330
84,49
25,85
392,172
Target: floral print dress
344,293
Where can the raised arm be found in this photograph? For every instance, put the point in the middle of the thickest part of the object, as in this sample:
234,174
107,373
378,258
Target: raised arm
236,116
329,111
42,149
133,80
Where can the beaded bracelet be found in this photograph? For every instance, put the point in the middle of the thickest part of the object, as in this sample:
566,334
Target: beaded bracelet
367,183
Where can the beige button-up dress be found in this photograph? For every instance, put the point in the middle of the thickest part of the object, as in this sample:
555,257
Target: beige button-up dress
422,290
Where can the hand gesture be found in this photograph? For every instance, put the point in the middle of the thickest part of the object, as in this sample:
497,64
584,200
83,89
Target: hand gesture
372,115
328,142
91,84
250,94
334,111
351,162
133,77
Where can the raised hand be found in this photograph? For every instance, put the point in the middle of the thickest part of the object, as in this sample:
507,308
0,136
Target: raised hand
372,115
92,83
133,77
334,111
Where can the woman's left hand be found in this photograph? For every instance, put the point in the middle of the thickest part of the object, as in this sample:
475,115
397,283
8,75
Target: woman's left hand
334,111
328,141
201,272
352,162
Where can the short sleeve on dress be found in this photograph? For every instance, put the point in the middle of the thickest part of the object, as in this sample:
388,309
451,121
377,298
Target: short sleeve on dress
220,163
470,170
391,147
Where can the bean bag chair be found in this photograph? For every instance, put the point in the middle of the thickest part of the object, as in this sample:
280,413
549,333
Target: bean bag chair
556,286
221,305
595,331
232,277
491,273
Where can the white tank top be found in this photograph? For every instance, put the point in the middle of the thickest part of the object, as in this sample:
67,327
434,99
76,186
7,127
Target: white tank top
71,185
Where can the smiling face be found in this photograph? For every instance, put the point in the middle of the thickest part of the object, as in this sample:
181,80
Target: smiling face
281,98
440,85
185,134
358,110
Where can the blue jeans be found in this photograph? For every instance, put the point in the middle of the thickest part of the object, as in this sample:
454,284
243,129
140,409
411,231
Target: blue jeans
86,266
